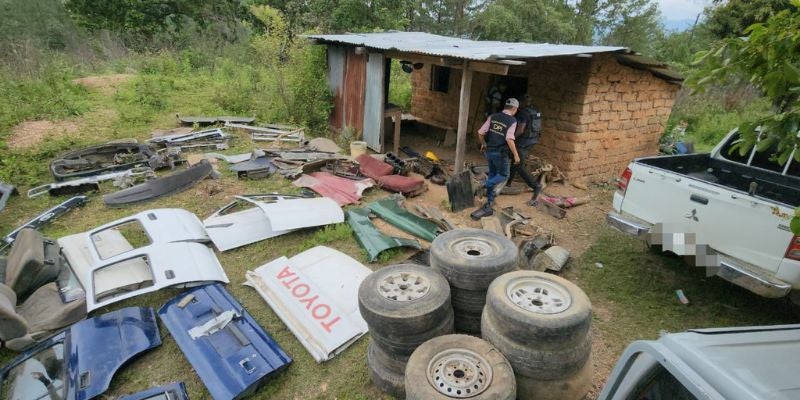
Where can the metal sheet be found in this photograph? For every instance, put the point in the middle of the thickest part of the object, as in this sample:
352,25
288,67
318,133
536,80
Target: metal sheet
233,361
315,293
231,230
342,190
355,77
436,45
389,210
170,391
370,238
374,102
175,256
302,213
93,350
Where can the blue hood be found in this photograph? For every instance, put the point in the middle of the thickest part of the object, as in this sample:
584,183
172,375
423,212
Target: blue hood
232,357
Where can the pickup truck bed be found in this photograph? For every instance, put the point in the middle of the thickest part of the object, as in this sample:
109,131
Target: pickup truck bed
728,212
768,185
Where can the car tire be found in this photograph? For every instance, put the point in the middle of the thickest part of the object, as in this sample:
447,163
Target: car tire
404,298
575,387
472,258
384,375
438,365
402,344
471,301
392,362
467,322
541,308
529,360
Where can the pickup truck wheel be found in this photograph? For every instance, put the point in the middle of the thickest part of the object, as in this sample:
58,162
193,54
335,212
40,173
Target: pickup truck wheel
529,360
383,376
472,258
459,367
574,387
404,298
541,308
403,344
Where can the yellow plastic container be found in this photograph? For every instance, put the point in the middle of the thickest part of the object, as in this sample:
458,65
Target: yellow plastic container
358,148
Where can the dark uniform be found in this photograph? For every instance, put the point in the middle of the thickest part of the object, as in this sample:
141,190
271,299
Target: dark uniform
532,119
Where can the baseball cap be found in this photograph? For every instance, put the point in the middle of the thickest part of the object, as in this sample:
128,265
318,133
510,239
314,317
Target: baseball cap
512,102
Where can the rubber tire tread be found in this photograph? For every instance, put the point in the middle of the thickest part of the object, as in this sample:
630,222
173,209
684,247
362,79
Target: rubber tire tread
400,344
384,378
529,361
549,331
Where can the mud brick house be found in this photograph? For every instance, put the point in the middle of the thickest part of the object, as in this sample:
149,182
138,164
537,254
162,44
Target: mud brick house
601,106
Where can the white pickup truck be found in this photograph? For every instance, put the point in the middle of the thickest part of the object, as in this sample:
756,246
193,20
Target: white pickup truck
730,212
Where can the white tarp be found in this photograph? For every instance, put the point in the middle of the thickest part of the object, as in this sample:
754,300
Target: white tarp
315,293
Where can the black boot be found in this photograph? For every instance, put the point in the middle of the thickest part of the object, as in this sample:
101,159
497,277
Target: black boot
484,211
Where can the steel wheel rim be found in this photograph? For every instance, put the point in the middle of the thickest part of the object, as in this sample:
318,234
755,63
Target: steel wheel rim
539,296
474,248
404,286
459,373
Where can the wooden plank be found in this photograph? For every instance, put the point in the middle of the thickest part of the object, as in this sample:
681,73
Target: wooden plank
489,67
463,117
352,100
425,59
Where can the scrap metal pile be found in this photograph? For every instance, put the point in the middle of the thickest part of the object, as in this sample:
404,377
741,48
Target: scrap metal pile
485,283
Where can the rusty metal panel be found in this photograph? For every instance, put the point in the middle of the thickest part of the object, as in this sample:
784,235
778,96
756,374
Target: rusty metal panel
353,90
373,102
336,68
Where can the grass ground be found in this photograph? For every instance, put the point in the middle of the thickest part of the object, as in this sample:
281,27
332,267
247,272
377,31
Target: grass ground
633,294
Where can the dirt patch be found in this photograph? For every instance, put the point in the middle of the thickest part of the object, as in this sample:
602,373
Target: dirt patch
31,133
106,84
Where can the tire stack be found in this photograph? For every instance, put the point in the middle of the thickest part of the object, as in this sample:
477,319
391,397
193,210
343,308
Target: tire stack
404,306
471,259
541,323
459,367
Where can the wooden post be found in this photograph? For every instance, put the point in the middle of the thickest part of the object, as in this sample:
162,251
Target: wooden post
463,116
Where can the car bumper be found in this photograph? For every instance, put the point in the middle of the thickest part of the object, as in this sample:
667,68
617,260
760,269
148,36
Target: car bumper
628,225
740,274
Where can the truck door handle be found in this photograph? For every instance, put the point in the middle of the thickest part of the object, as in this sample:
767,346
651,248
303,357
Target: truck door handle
698,199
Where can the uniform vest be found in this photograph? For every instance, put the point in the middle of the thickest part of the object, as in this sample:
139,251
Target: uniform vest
499,123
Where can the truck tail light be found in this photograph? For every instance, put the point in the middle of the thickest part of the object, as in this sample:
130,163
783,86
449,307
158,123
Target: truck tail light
622,181
793,251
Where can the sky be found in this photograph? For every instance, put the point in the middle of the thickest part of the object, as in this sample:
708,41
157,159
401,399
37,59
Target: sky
680,14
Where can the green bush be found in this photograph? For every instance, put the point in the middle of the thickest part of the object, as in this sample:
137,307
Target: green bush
400,87
709,120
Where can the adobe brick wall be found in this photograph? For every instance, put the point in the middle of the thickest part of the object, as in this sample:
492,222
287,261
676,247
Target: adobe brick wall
442,108
597,114
624,113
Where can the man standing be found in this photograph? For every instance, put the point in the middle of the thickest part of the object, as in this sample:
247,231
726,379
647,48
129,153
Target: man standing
529,130
497,139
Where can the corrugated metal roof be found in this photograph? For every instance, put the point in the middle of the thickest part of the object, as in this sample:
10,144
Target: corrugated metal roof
444,46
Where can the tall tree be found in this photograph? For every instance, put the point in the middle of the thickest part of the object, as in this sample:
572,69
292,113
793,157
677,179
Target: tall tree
731,17
527,20
769,58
